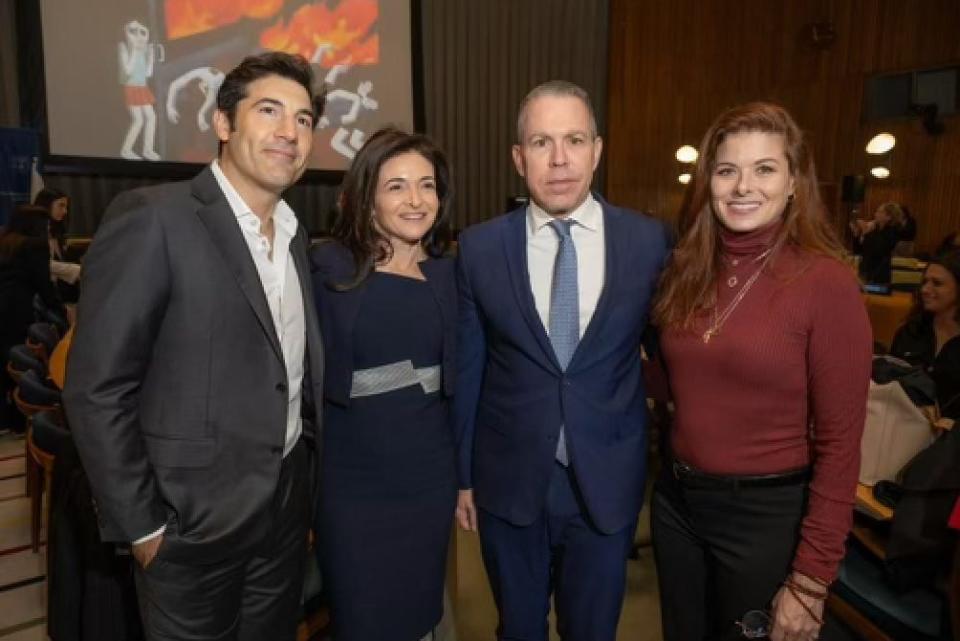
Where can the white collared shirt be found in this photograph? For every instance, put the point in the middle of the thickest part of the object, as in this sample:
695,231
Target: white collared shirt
281,286
542,246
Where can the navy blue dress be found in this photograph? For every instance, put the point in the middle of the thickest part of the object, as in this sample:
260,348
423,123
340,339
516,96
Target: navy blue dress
388,488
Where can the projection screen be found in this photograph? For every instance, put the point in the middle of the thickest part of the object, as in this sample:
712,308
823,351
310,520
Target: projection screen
136,80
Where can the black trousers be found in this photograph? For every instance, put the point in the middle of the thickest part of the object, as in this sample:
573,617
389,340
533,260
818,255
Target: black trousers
721,552
252,597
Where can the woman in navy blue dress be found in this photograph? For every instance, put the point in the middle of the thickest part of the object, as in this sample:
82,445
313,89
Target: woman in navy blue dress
387,305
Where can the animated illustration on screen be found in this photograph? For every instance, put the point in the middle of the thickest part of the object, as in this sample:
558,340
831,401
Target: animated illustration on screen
136,54
172,55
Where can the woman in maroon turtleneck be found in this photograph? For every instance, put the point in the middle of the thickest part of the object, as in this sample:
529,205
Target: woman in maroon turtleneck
767,347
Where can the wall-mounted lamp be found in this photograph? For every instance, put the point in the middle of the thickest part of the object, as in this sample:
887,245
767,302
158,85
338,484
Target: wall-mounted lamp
687,155
882,143
880,148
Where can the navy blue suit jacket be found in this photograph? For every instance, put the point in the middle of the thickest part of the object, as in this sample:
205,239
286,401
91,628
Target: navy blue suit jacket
512,396
332,263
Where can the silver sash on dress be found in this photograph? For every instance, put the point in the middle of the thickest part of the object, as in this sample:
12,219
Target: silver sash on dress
387,378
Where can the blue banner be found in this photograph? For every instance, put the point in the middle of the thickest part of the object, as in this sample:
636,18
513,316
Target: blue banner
18,148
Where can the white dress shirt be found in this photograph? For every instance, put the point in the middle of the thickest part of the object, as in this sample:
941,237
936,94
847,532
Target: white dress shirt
542,246
281,286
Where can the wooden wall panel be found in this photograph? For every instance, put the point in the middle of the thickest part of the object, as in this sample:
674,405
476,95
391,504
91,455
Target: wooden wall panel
480,60
676,64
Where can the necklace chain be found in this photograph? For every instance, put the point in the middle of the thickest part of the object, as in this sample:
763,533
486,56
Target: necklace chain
720,318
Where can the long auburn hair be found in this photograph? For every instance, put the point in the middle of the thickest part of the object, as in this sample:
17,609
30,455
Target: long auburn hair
355,227
688,284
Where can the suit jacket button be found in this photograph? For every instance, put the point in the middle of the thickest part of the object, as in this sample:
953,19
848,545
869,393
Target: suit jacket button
281,387
276,450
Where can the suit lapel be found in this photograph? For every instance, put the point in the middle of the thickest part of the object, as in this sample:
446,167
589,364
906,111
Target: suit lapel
221,224
440,287
314,340
515,248
445,293
611,251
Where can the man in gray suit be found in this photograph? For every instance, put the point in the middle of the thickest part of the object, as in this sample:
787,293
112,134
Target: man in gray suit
194,380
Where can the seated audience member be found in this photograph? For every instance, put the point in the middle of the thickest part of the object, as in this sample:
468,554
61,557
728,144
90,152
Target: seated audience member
874,240
24,272
66,274
928,337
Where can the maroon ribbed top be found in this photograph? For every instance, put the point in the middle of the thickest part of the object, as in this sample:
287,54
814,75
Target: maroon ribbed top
782,386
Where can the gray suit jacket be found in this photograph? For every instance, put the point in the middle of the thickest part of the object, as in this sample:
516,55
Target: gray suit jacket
176,389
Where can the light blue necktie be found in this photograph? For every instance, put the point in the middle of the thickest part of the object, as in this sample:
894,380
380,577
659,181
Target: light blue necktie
564,310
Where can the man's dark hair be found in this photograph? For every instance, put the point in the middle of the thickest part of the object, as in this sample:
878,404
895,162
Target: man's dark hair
269,63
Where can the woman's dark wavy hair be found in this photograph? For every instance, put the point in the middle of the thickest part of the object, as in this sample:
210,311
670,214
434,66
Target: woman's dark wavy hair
45,198
355,228
26,223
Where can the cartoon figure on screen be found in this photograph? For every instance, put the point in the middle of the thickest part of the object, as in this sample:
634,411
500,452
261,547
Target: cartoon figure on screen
343,107
208,80
137,55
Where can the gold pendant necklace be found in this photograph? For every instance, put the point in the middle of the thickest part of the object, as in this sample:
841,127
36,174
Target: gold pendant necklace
720,318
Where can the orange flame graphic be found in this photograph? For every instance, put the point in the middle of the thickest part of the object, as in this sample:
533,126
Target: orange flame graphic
343,35
190,17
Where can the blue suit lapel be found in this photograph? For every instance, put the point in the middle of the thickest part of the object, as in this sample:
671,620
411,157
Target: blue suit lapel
515,249
612,249
445,293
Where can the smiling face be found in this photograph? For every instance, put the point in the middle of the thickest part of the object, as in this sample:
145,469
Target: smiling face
939,291
266,149
751,183
406,201
558,152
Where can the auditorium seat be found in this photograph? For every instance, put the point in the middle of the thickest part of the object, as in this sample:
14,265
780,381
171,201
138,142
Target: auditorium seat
864,601
21,358
33,395
45,437
47,315
42,338
38,392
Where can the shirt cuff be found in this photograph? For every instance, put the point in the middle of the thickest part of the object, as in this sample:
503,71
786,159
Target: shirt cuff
152,535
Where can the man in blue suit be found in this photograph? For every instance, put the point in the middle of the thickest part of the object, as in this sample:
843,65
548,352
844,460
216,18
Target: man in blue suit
550,409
